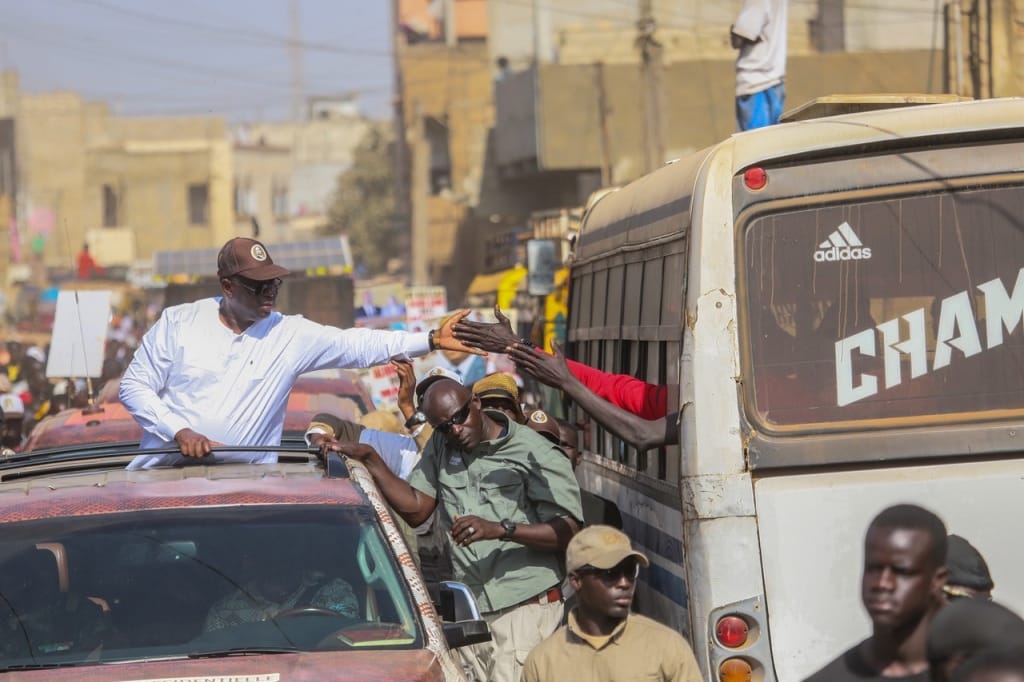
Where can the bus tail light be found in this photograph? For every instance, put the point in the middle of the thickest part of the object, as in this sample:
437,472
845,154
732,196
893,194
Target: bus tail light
732,631
755,178
739,649
735,670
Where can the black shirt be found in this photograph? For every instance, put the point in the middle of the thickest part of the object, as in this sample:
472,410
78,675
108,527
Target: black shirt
851,667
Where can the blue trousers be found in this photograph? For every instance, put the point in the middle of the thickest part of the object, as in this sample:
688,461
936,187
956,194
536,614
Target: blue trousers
760,108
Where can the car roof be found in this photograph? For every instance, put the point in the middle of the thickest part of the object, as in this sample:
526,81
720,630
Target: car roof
92,479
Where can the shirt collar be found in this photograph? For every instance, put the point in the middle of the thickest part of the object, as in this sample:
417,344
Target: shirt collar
574,627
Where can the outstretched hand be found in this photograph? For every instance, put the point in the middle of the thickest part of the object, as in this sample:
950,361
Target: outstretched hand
445,338
547,369
493,337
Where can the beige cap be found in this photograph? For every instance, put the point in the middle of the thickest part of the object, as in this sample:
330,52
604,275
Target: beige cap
600,547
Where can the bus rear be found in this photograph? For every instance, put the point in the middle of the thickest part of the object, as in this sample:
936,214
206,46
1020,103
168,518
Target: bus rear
852,337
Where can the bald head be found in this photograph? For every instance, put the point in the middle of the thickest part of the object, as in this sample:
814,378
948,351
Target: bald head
454,411
441,391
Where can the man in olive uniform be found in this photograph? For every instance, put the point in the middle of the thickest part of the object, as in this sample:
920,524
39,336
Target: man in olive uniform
510,504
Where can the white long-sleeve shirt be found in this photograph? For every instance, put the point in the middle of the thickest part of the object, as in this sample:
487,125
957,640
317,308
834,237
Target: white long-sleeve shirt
761,63
191,371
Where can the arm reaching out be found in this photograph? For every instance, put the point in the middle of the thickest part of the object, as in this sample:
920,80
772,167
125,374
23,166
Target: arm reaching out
639,397
553,371
411,504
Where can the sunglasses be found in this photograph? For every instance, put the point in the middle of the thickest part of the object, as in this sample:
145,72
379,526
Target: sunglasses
457,419
627,569
260,288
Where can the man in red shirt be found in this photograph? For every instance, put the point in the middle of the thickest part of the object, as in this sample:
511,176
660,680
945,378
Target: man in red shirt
87,267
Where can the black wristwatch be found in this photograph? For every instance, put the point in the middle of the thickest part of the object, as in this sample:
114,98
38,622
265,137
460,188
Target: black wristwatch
510,529
415,420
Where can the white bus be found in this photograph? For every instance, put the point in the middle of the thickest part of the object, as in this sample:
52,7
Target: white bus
840,302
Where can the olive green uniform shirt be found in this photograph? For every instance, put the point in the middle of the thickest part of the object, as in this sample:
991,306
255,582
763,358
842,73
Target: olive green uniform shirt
521,476
638,649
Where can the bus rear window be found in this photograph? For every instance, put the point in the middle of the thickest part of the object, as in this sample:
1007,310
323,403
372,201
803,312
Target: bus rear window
887,309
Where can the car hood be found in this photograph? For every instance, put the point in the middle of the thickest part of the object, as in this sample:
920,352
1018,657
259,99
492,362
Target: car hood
391,666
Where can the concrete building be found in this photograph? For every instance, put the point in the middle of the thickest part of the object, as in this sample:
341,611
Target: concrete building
533,106
261,190
319,148
578,103
128,186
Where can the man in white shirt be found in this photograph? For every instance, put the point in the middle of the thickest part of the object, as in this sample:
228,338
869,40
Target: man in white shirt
760,35
219,370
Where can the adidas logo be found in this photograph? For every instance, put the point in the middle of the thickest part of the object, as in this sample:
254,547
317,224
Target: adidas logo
843,244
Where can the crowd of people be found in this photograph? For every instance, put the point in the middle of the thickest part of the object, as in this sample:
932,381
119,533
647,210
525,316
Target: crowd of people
487,489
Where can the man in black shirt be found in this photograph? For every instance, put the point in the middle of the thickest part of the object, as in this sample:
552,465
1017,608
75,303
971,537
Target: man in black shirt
904,572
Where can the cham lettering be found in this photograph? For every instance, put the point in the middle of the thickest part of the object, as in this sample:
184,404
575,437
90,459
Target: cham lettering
957,329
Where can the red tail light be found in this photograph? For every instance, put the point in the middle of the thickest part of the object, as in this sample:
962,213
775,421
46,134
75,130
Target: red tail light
732,631
755,178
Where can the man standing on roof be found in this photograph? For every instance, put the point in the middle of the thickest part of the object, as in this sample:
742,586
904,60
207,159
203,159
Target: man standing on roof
219,370
760,35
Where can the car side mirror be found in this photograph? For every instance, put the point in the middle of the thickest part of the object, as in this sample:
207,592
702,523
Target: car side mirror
459,613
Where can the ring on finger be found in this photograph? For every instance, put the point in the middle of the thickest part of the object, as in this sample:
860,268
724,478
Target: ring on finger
471,530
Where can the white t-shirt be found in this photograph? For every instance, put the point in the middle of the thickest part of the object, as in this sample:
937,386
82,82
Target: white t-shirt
191,371
761,64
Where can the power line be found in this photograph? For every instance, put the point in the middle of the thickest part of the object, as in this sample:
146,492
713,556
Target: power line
224,30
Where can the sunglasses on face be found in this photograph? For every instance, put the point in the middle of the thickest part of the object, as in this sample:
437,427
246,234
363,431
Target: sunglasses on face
627,569
457,419
260,288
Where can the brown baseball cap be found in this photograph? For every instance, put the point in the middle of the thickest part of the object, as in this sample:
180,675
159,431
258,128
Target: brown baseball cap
600,547
248,258
540,422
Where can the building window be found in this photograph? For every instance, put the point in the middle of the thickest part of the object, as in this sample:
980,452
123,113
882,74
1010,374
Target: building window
279,199
198,204
245,199
110,217
440,160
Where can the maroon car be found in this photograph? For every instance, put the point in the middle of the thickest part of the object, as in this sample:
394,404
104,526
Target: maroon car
287,571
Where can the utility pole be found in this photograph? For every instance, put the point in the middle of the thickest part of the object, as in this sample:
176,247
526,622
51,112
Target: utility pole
400,157
650,71
420,194
295,59
602,117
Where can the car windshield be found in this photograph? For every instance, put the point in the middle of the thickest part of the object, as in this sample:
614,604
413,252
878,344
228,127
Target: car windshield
199,582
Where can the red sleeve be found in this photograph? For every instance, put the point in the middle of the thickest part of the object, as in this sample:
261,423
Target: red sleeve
631,394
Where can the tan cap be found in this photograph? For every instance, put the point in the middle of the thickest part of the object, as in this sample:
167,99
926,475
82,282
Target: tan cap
600,547
501,386
249,258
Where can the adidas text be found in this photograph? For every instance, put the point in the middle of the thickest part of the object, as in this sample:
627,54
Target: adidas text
846,253
843,244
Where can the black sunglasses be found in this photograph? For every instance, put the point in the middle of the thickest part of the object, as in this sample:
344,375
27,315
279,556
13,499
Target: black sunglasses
610,576
457,419
261,287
